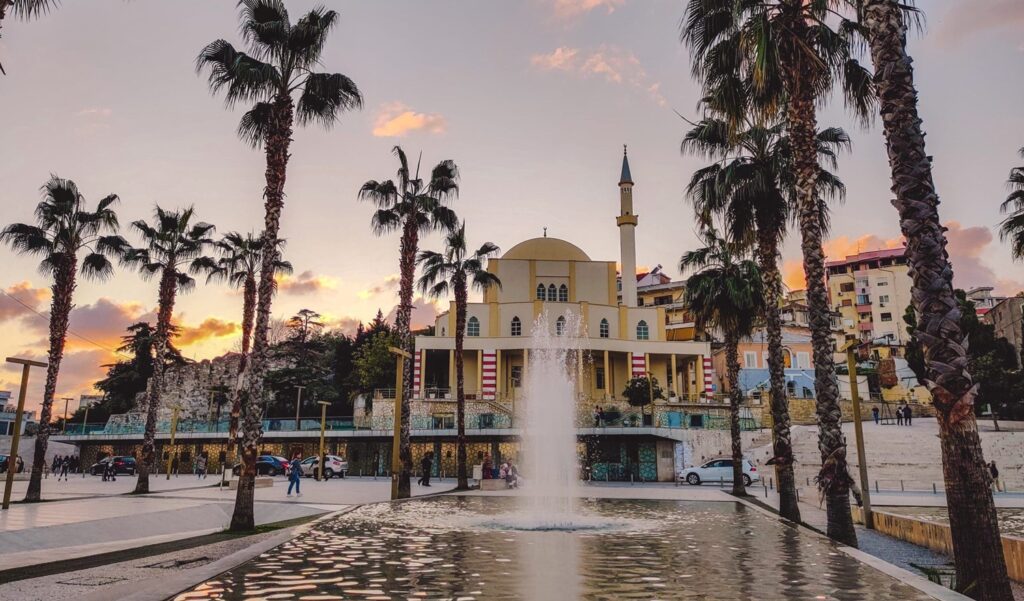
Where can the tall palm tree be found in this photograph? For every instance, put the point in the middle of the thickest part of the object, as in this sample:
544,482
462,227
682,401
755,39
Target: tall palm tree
792,59
173,246
64,227
413,206
278,66
978,553
725,294
750,186
241,256
25,9
453,271
1012,228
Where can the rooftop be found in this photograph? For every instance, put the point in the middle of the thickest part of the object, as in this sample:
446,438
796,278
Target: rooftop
871,255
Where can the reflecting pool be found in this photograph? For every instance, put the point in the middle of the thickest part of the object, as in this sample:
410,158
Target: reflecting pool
477,547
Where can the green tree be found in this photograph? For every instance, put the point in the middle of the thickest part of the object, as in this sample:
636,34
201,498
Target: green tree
642,391
173,246
64,227
725,294
24,9
750,187
413,206
793,59
454,271
374,364
279,65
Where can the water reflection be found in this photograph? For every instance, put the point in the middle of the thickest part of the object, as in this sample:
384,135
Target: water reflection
450,548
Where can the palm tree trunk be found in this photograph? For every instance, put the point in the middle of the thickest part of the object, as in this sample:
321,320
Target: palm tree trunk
977,550
403,319
60,310
248,314
782,442
834,479
278,141
460,383
168,290
732,362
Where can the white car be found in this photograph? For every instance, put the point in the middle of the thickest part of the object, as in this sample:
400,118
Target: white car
335,466
718,470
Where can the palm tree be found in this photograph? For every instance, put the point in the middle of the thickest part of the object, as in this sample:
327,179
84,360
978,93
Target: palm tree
454,271
241,256
1012,228
25,9
792,59
279,65
750,187
413,206
64,227
978,553
173,247
725,294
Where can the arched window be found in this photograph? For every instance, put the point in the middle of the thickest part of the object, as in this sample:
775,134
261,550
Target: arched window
642,333
604,328
559,326
473,327
552,293
540,292
563,294
517,327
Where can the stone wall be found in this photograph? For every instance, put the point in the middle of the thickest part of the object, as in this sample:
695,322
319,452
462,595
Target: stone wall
802,411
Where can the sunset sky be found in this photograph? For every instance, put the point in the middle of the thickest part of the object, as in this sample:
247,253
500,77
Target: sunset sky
533,100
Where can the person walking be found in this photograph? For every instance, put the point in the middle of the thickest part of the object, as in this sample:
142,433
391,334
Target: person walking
174,465
55,466
201,466
908,414
899,416
295,476
994,472
597,416
874,414
65,466
426,464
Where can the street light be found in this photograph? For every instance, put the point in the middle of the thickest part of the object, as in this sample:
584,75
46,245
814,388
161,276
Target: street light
396,443
858,431
298,405
64,424
12,459
323,421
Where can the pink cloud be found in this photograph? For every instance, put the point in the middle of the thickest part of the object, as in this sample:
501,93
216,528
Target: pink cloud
967,246
966,19
305,283
396,119
612,64
32,297
570,9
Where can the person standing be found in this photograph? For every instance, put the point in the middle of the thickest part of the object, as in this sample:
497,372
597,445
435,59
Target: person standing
899,416
597,416
201,466
994,472
874,414
56,464
295,476
908,414
426,464
174,465
65,466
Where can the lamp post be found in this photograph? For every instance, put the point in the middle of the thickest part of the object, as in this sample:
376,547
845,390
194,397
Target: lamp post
396,443
174,430
85,420
323,422
298,406
858,431
64,424
12,459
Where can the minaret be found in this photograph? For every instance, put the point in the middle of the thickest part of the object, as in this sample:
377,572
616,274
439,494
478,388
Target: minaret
627,233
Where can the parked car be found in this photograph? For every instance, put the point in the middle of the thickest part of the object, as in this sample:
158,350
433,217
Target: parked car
336,466
718,470
122,465
267,465
3,464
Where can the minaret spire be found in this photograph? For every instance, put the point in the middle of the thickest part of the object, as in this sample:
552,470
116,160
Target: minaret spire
627,233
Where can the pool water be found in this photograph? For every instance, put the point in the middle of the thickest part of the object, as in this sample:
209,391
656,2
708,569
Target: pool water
477,547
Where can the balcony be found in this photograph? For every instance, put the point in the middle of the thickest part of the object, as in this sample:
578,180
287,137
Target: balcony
866,326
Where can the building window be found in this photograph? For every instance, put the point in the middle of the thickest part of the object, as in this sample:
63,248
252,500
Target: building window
604,328
803,360
559,326
517,327
663,300
642,333
517,376
881,283
563,294
473,327
552,293
846,287
750,359
599,377
883,298
886,316
540,292
847,302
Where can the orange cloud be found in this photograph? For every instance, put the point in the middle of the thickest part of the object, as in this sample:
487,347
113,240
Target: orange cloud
396,119
28,294
561,59
389,284
211,327
835,249
305,283
423,313
570,9
611,63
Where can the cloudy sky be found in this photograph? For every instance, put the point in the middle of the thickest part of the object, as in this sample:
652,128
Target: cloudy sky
533,99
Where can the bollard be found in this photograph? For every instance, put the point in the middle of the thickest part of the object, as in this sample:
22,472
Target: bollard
901,486
765,484
934,489
876,485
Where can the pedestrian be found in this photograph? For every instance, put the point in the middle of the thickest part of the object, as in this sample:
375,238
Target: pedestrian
65,465
426,464
597,416
908,414
201,466
874,414
174,465
600,416
513,475
994,472
56,464
295,476
899,416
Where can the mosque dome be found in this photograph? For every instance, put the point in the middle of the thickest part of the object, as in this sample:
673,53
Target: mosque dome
546,249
